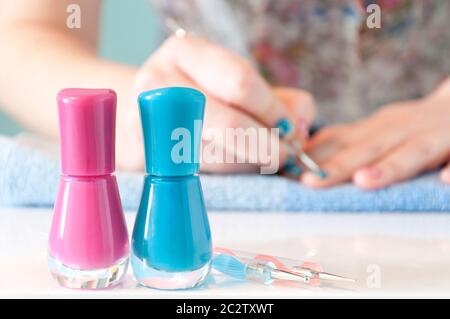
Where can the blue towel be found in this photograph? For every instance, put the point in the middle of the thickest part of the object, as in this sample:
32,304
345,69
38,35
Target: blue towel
30,177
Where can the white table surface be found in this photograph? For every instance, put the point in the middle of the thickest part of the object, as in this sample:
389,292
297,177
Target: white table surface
411,251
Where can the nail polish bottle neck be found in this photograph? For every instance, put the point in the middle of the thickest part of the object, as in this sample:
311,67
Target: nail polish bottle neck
169,178
86,177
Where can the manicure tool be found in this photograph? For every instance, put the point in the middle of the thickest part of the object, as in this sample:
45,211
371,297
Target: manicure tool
296,148
268,269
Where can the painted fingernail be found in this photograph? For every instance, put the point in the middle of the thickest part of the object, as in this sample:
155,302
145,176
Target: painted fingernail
291,167
322,174
302,128
285,126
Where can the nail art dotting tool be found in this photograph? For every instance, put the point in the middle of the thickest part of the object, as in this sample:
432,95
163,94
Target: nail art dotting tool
268,269
307,160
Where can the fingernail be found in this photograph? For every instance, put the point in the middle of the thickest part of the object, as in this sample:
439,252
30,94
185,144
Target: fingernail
291,167
372,172
322,174
310,178
302,128
285,126
445,175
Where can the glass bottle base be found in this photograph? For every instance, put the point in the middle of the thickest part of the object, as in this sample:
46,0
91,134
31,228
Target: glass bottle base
87,278
155,278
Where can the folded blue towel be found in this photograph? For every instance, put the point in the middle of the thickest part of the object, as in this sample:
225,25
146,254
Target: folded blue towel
30,177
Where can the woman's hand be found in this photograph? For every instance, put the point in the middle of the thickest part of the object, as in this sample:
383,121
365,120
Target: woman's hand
237,96
396,143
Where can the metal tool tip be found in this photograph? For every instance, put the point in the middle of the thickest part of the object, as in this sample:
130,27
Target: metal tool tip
311,165
333,277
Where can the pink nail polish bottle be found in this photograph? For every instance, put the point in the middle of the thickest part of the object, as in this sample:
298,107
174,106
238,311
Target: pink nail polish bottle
88,244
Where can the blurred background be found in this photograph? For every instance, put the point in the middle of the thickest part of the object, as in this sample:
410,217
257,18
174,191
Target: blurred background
119,19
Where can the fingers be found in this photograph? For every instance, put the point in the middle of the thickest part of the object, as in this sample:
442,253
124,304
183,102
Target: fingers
390,118
153,75
300,104
405,162
345,161
225,168
445,174
242,136
327,142
224,75
341,150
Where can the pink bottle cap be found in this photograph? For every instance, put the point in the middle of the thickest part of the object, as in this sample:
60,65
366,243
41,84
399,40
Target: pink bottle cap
87,120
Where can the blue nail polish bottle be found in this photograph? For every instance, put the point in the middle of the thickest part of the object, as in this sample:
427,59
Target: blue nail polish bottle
171,242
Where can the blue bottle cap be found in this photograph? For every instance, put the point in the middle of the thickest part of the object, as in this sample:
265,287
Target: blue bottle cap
172,121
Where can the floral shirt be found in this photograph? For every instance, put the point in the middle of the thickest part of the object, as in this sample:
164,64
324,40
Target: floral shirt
327,47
